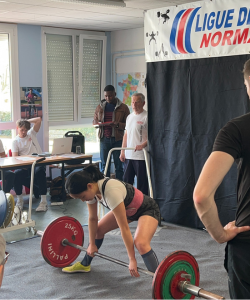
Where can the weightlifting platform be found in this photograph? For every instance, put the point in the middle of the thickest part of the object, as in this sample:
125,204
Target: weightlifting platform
27,273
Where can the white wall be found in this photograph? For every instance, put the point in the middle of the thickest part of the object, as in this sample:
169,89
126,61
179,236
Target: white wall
127,48
127,39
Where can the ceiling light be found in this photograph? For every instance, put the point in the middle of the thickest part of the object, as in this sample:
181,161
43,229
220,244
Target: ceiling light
119,3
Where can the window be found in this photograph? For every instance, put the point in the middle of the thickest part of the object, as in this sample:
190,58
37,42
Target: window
9,91
90,134
75,78
60,77
91,66
5,96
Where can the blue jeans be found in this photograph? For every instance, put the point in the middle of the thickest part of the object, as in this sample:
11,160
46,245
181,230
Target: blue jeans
107,144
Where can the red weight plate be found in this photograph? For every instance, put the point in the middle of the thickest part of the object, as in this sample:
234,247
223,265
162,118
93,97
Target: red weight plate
174,290
52,249
168,262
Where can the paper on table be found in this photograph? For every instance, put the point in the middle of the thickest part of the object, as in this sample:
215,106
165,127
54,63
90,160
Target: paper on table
102,124
24,158
71,155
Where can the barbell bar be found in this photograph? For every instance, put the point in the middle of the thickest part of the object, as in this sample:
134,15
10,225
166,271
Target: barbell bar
65,242
176,276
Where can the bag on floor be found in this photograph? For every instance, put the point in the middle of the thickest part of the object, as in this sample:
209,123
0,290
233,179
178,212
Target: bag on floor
56,188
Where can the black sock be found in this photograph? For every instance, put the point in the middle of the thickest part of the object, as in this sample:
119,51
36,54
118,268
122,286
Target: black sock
87,259
150,260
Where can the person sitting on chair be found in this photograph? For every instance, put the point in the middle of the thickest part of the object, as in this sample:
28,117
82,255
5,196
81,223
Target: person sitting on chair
26,143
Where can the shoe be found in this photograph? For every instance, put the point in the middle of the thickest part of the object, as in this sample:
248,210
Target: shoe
20,204
77,268
42,206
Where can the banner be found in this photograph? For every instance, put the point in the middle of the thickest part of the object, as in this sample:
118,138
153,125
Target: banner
197,30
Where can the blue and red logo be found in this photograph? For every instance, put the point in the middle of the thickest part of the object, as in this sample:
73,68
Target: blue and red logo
221,22
180,39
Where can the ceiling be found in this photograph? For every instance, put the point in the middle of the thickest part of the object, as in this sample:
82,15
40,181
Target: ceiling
78,15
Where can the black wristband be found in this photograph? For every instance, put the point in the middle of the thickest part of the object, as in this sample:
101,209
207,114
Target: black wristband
117,126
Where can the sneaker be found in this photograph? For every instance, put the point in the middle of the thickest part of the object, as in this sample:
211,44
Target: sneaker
20,204
77,268
42,206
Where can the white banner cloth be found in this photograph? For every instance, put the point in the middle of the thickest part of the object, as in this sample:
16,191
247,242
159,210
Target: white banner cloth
197,30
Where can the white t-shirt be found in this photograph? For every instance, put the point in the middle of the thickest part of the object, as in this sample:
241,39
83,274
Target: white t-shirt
26,145
137,133
115,193
1,147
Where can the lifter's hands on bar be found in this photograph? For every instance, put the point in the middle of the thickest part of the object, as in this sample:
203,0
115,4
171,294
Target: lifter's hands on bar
91,250
133,268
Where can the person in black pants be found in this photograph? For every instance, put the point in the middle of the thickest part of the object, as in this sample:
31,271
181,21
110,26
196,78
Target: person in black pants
136,136
232,144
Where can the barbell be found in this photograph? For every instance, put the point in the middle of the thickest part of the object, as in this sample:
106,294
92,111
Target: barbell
177,276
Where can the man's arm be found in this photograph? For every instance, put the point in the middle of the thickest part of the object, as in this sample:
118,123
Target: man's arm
124,145
14,148
212,174
2,154
122,125
37,123
96,120
141,146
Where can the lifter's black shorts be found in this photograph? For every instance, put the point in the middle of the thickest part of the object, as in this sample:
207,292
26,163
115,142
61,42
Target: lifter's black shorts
149,207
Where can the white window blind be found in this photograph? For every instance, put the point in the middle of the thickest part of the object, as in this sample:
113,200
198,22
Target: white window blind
91,76
5,82
9,81
59,50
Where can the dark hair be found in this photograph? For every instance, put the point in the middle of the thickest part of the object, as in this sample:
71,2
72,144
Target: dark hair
246,69
77,182
109,88
22,122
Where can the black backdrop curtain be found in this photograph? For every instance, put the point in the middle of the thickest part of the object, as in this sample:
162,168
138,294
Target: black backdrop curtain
188,102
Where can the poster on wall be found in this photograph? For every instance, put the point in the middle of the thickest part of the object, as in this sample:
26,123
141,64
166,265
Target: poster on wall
128,84
31,102
199,29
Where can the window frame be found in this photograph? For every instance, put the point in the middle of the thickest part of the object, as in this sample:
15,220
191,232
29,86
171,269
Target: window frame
84,122
88,121
11,30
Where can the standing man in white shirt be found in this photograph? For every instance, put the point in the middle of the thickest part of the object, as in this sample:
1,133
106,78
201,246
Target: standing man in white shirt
136,136
8,175
26,143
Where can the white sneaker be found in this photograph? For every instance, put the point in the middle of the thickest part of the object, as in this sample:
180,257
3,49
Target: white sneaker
42,206
20,204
